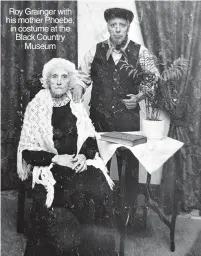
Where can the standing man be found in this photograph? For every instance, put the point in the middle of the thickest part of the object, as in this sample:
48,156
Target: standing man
115,95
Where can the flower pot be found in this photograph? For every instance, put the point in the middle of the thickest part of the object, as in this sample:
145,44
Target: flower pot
153,129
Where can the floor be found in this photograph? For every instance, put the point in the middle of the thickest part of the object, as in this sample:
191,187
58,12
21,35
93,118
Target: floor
154,241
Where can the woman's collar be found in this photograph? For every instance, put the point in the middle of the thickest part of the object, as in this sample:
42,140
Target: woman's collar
62,101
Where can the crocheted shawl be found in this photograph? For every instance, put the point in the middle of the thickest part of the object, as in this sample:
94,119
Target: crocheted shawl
37,135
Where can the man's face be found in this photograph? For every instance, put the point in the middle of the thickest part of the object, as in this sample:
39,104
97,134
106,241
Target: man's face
118,29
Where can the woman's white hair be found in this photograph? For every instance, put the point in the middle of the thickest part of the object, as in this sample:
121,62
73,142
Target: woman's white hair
56,63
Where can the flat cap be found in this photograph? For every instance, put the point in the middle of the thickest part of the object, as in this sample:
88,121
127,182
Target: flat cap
118,13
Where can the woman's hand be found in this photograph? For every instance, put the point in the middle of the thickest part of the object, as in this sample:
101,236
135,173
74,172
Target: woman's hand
64,160
79,163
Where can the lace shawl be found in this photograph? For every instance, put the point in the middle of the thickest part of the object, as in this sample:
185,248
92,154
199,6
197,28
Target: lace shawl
37,134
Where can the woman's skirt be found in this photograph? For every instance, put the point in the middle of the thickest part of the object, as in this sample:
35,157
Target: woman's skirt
80,220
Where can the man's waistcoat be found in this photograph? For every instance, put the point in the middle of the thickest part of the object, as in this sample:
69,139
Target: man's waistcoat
111,84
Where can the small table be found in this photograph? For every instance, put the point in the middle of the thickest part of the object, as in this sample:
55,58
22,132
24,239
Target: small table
152,155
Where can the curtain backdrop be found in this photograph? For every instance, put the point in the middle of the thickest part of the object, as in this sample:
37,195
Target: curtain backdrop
17,67
171,29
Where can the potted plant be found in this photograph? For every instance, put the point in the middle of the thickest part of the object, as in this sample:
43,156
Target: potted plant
153,90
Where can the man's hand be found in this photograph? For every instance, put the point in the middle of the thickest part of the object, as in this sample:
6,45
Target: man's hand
77,92
132,102
63,160
79,163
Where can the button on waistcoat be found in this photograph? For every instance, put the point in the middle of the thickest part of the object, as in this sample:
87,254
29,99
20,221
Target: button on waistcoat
110,83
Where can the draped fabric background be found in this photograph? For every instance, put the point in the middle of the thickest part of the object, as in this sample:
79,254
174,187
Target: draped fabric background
17,67
171,29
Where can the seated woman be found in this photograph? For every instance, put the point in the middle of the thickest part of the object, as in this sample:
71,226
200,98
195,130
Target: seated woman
72,199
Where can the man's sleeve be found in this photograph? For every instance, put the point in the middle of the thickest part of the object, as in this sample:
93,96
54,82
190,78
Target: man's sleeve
84,71
147,61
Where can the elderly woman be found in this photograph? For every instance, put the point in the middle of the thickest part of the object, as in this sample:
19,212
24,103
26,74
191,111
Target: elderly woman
72,198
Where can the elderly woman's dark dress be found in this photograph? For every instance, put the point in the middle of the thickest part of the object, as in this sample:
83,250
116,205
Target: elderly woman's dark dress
80,220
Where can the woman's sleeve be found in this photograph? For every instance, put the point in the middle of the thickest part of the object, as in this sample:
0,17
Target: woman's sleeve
37,158
89,148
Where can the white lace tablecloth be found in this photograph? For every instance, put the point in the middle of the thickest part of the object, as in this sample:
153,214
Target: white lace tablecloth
152,155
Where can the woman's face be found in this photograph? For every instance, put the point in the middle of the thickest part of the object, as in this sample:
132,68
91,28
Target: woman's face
59,81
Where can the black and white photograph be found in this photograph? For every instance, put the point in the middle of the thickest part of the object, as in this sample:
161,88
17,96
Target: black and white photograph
100,128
